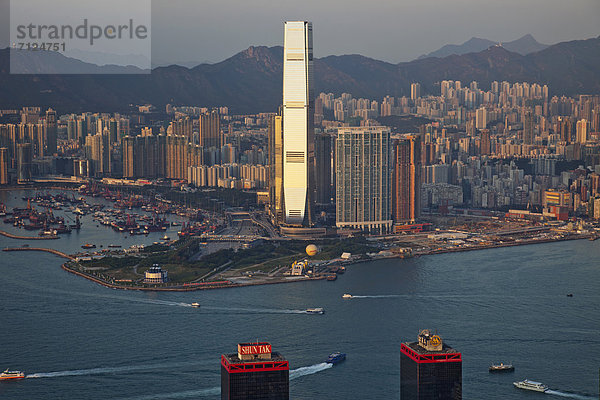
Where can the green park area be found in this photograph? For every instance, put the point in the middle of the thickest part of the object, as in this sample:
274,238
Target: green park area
184,266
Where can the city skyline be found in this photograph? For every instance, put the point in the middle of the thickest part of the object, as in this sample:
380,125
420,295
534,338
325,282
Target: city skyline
339,222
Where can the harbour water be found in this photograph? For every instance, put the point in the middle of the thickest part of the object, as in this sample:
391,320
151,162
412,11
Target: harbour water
77,340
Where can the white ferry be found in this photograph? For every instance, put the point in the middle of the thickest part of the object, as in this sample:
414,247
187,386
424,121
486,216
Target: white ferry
531,385
315,311
346,296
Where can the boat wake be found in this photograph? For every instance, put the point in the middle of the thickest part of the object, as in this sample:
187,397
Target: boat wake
381,296
312,369
569,395
255,310
105,370
215,391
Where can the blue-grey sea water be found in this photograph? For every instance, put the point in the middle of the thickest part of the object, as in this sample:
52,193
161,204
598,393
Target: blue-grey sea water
77,340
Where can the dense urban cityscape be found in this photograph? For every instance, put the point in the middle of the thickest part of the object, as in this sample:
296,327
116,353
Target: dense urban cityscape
444,207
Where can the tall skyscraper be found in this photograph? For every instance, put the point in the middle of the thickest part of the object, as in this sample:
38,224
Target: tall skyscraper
276,169
363,179
255,372
298,119
430,369
406,182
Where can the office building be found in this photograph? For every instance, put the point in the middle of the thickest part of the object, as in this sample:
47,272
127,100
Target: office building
363,179
430,369
255,372
406,181
298,120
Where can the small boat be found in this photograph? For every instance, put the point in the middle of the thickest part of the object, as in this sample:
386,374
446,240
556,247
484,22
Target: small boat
531,385
346,296
88,246
315,311
166,237
502,367
336,357
331,277
6,375
195,304
114,245
570,295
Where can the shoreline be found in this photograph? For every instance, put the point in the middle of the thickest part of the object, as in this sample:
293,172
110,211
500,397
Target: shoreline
207,286
221,285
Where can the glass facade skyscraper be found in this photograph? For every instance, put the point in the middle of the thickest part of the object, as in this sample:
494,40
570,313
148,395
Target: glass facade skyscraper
298,120
363,179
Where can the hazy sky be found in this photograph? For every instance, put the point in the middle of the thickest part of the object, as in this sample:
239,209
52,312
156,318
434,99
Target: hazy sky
399,30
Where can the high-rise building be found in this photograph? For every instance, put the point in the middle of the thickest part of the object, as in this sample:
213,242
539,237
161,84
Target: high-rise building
527,126
415,91
255,372
485,144
406,181
363,179
24,156
127,153
210,130
323,162
582,131
276,169
563,128
51,131
481,118
430,369
298,120
3,166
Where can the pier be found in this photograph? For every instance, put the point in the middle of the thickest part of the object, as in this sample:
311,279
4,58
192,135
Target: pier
52,251
10,235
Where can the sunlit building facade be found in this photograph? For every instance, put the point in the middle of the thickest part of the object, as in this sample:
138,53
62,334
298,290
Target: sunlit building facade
363,179
298,119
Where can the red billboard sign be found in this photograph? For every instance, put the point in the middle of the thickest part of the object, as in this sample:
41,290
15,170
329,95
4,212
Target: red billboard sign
254,348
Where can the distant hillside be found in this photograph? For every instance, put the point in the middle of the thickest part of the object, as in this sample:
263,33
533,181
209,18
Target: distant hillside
251,81
525,45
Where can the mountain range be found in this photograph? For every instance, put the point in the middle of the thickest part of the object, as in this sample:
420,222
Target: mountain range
523,46
251,81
